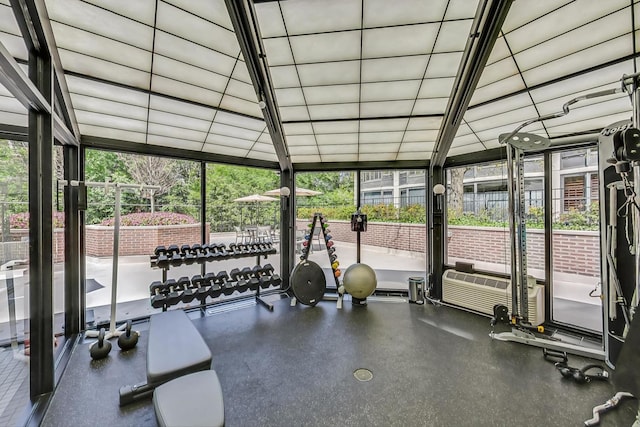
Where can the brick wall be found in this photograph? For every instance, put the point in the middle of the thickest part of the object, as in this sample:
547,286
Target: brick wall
22,235
576,252
140,240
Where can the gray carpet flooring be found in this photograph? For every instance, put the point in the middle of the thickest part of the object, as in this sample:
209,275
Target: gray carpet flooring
432,366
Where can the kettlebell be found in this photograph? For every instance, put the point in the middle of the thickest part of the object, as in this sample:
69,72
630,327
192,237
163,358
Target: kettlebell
129,338
101,348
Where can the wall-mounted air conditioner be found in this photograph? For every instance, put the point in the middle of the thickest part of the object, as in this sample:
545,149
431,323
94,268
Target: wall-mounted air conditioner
480,293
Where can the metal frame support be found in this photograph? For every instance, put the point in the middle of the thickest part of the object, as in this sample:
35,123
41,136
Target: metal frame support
287,228
41,230
436,213
72,303
548,236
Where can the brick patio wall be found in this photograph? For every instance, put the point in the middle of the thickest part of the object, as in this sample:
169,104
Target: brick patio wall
576,252
22,251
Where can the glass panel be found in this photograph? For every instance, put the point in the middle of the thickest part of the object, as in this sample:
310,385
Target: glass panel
336,203
576,239
377,13
166,216
394,244
477,217
329,15
328,47
452,36
400,41
58,247
14,281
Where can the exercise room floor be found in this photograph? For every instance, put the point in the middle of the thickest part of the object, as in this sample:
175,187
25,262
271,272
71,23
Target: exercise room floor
432,366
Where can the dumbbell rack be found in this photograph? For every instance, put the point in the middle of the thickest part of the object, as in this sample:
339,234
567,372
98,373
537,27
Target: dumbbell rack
202,254
321,221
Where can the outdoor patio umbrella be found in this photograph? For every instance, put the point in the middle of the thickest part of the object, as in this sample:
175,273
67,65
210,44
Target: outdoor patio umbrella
299,192
254,199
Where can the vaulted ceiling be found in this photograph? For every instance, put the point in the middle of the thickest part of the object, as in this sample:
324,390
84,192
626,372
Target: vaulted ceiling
344,80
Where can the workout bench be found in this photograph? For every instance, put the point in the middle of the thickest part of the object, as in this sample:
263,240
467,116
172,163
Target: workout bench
178,359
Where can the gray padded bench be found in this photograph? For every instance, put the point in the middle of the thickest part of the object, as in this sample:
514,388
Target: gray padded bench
175,348
194,400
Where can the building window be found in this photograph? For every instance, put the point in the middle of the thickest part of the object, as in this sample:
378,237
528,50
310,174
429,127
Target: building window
573,195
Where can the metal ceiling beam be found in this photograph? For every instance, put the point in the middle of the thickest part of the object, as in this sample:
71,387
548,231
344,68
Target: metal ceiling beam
38,37
245,25
485,30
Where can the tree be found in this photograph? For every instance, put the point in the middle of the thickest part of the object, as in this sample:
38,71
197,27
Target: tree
455,193
151,170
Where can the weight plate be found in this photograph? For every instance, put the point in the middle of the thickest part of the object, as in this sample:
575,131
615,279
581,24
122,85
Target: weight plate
308,282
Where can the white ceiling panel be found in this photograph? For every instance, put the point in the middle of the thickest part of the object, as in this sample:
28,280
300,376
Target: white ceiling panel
503,87
191,27
453,36
461,9
107,121
401,68
377,13
294,113
420,123
105,91
278,51
194,54
339,157
464,129
265,138
97,105
14,119
466,149
283,77
225,150
179,121
430,106
306,159
239,121
167,141
333,111
380,137
378,148
595,104
582,60
386,109
329,47
240,72
416,146
588,124
500,51
516,116
298,150
383,125
188,74
499,107
241,90
176,132
186,91
383,91
331,94
270,19
241,106
13,43
303,17
237,132
420,136
377,157
337,138
297,129
139,10
105,70
498,71
443,65
337,149
422,155
465,140
185,109
399,41
330,73
213,10
260,149
294,140
436,88
229,141
347,126
289,97
117,134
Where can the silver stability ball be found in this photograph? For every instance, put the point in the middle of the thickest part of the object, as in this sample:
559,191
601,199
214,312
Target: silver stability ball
360,281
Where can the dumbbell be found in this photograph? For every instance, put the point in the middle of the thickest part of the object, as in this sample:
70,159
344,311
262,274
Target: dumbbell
234,249
161,256
328,237
335,264
221,250
183,285
331,250
337,273
200,252
173,253
222,280
173,295
187,256
333,257
241,283
209,251
189,292
212,285
252,281
158,297
101,348
202,288
128,339
264,275
330,243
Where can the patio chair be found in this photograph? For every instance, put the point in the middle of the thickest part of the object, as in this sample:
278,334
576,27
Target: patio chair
242,236
264,233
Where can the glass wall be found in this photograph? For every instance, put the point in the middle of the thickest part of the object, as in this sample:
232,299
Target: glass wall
58,247
395,242
477,216
14,280
576,239
336,202
168,214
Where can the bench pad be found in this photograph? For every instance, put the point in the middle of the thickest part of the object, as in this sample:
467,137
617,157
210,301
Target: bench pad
175,347
193,400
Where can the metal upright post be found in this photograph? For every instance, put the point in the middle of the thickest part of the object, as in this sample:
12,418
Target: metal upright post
521,236
114,270
636,188
512,231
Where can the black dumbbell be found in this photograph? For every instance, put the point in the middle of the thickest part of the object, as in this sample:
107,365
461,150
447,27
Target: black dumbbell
173,294
208,252
216,288
276,280
234,249
187,256
183,285
220,249
333,257
158,297
263,280
161,256
188,290
199,252
202,288
331,250
228,287
173,253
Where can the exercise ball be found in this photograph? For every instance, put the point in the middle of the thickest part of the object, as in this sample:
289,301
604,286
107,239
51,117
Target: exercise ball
360,281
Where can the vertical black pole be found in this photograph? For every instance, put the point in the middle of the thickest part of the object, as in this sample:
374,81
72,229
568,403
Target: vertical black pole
71,244
358,202
287,227
436,227
548,235
41,231
203,210
82,247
